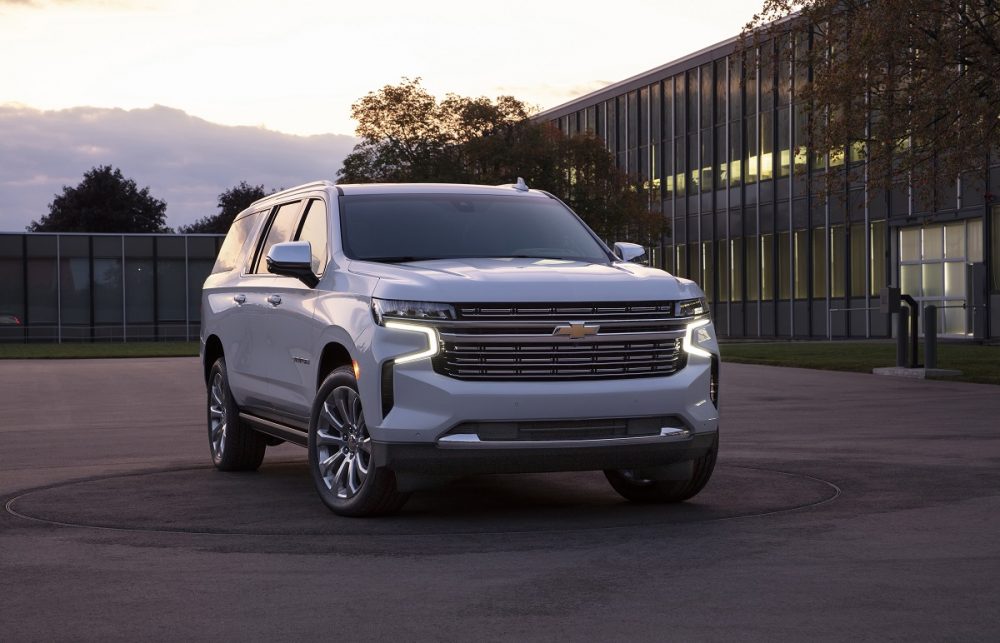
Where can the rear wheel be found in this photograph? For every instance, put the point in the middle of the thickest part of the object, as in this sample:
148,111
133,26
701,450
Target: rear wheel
632,487
340,452
234,446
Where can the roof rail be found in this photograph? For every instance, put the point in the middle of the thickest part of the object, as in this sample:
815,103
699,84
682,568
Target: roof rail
305,186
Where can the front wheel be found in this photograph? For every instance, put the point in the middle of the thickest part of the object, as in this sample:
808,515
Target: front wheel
637,489
340,452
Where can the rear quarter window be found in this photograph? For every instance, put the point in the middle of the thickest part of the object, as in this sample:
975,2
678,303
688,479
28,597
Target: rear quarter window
236,238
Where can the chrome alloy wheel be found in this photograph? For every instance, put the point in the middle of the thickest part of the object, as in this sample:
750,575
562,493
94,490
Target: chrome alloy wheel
217,417
343,446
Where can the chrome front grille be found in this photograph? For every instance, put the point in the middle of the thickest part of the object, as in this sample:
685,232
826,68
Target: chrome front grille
560,361
534,342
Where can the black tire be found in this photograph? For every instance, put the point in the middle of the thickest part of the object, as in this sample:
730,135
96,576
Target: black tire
340,452
240,448
664,491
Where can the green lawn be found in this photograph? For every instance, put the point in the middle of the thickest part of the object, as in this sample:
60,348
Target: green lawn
977,363
98,349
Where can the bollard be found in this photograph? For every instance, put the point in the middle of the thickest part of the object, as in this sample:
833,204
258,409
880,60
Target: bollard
901,336
930,336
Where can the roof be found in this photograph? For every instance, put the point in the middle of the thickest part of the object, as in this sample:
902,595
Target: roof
431,188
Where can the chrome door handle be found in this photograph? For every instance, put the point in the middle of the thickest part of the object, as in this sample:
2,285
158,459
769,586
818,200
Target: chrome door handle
240,299
274,300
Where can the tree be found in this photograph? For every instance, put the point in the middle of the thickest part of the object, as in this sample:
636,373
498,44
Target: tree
104,201
231,202
409,136
910,86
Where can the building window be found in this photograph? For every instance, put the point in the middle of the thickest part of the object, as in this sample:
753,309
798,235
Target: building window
932,269
668,170
680,105
694,164
819,263
724,270
878,253
679,167
801,265
859,260
707,182
708,269
767,267
784,144
694,263
766,145
681,269
721,166
735,82
692,101
736,265
784,265
735,154
706,95
655,113
750,176
838,260
753,268
995,246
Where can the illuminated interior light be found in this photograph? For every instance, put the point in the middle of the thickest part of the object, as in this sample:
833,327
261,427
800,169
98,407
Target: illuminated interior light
430,333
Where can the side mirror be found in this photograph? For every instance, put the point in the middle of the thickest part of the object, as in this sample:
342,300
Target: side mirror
628,251
292,259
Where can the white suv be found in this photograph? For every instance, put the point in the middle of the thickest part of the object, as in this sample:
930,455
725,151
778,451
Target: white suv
410,334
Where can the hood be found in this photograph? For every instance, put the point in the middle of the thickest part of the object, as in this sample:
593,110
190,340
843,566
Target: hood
523,280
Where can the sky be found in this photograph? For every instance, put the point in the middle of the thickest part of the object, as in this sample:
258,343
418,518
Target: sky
196,83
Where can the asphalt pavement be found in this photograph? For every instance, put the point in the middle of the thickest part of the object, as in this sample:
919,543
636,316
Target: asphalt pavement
844,507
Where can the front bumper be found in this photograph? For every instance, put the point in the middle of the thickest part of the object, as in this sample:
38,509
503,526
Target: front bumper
443,459
417,436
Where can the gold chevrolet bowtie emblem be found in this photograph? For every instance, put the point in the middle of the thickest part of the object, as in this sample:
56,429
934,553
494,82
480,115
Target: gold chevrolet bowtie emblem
576,330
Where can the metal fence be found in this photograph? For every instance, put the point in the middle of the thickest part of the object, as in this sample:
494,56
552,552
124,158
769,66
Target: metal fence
70,287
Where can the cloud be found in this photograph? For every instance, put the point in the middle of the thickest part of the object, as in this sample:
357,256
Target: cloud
185,160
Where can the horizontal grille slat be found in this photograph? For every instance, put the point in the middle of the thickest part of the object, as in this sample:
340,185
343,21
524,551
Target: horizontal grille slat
562,312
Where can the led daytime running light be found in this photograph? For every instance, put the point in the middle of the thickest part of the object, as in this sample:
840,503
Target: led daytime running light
430,333
688,342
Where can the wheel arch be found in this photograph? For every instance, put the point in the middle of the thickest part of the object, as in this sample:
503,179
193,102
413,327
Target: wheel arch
213,351
334,355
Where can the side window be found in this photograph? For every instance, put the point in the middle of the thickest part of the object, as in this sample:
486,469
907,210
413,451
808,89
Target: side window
282,229
229,253
314,231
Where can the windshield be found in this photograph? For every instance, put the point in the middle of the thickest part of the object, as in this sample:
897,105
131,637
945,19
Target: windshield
415,227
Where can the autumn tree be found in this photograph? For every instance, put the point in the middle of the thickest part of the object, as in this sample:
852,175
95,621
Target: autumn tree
231,202
407,135
910,86
104,201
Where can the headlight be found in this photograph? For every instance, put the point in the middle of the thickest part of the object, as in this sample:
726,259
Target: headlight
401,315
692,308
698,338
383,309
433,343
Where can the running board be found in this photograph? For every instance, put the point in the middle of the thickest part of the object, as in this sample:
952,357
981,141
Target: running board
276,430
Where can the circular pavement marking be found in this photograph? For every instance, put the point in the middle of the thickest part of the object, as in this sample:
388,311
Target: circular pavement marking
279,500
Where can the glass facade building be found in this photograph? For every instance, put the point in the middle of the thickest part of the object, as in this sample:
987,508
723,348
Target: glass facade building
103,287
724,156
